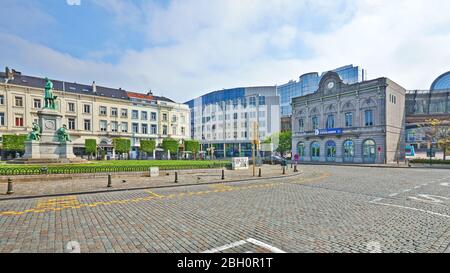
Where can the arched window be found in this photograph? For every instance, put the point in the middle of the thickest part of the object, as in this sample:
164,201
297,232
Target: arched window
369,154
348,150
315,151
331,150
301,149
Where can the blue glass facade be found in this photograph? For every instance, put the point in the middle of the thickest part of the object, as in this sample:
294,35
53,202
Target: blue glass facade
309,83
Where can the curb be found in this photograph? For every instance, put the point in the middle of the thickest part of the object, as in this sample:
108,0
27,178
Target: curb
374,166
146,188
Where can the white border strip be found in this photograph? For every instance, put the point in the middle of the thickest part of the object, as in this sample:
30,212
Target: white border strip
239,243
421,210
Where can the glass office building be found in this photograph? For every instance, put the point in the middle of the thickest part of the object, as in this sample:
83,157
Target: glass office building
309,83
225,121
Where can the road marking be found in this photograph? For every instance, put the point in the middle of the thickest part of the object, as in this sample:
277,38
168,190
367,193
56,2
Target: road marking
417,187
393,194
414,209
428,198
407,190
242,242
71,202
445,184
264,245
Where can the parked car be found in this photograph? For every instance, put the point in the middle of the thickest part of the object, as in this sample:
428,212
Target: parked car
274,160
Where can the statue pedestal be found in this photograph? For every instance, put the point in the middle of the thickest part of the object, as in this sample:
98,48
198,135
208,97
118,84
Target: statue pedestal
48,149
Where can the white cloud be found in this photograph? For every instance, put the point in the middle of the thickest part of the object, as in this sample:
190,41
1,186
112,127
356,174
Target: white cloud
200,46
73,2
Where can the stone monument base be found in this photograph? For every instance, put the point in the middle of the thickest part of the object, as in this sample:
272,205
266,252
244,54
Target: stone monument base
37,152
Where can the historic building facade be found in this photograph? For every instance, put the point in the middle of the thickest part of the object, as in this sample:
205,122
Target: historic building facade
356,123
92,112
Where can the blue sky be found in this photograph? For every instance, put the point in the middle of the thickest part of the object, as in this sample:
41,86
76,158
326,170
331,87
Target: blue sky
185,48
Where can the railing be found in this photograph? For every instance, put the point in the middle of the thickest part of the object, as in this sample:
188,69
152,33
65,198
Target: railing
25,170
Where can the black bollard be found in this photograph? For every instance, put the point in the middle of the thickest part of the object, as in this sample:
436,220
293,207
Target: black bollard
259,172
176,177
295,169
284,170
109,181
10,187
223,174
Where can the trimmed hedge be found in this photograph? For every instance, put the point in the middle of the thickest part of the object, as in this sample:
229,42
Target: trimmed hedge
90,146
427,161
148,146
111,167
14,142
122,145
169,144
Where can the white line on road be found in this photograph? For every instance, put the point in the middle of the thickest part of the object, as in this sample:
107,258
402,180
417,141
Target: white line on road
227,246
266,246
393,194
239,243
415,209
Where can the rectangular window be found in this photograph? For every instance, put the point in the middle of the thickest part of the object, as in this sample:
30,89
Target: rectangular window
330,121
2,119
349,119
315,123
164,129
114,126
252,101
153,129
262,100
71,107
174,118
2,99
123,113
153,116
114,112
124,127
37,103
183,131
174,129
301,125
135,114
87,124
71,123
183,119
103,110
144,128
87,109
19,101
164,117
19,121
103,125
144,115
135,128
368,114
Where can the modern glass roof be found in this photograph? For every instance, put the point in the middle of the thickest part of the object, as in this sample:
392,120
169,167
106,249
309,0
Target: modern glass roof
441,83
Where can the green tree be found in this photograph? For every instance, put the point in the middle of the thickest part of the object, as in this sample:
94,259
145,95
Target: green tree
148,146
14,143
122,145
170,144
192,146
91,146
282,140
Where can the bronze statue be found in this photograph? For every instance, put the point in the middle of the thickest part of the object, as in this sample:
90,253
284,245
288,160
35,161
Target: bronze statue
48,95
35,134
63,136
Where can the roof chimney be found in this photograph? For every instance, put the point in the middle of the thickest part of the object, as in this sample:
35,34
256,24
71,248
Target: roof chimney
150,93
94,87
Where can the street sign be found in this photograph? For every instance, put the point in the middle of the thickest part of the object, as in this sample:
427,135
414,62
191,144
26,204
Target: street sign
332,131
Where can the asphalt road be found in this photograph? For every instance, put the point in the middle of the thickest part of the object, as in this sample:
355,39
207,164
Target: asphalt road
325,209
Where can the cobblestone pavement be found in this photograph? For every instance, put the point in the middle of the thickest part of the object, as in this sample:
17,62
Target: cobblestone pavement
325,209
166,178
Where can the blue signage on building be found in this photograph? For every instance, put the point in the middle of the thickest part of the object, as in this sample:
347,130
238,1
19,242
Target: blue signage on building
332,131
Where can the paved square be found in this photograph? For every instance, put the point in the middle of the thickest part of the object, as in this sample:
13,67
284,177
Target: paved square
324,209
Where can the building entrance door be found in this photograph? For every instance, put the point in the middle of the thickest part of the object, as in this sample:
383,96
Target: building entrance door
369,151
